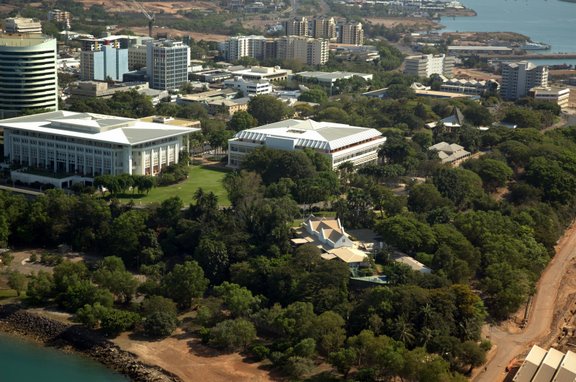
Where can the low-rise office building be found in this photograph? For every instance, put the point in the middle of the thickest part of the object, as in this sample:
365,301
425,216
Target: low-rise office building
468,86
260,73
94,89
560,96
219,101
65,147
327,78
338,142
249,88
366,53
478,49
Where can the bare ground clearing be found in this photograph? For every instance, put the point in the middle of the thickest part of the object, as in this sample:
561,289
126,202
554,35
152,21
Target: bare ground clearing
391,22
168,7
178,33
187,358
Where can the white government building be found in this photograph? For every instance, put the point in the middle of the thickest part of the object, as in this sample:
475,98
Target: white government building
65,147
339,142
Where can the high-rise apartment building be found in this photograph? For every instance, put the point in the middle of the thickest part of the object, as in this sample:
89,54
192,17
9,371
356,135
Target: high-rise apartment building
245,46
28,77
22,25
309,51
59,16
351,33
103,59
519,77
302,49
167,64
297,26
428,64
322,27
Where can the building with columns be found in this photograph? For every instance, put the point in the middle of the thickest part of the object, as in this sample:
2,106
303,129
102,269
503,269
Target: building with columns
339,142
65,147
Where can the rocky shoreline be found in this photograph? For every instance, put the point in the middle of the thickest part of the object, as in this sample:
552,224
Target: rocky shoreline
19,322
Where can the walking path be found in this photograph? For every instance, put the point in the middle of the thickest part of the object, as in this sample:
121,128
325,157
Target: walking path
544,303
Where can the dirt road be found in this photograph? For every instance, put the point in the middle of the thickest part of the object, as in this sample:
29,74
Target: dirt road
544,303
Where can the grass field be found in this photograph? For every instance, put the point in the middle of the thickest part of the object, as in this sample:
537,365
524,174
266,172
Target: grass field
208,177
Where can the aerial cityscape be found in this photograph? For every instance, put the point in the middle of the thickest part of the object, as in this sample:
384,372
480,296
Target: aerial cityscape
287,190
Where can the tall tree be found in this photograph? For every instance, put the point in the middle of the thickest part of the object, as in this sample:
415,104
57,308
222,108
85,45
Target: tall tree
185,282
267,109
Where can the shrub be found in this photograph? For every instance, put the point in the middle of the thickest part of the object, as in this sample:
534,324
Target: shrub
232,335
260,352
160,324
297,367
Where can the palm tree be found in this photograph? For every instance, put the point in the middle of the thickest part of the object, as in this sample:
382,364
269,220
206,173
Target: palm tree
404,331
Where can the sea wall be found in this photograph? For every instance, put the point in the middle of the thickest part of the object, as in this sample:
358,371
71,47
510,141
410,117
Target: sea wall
49,332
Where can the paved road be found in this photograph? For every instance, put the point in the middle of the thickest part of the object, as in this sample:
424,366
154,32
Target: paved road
541,314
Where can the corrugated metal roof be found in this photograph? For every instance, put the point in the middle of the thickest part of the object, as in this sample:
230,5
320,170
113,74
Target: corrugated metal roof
311,134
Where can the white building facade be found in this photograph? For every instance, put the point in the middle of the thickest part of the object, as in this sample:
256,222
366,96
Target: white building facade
244,46
28,74
519,77
428,64
22,25
249,88
560,96
339,142
80,146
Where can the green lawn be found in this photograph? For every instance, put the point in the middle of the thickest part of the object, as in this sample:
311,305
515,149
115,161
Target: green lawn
208,177
5,293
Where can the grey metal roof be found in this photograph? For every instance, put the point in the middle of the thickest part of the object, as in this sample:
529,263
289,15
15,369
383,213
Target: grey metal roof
96,127
311,134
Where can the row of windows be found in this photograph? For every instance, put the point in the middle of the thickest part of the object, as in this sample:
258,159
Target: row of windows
355,155
88,161
241,149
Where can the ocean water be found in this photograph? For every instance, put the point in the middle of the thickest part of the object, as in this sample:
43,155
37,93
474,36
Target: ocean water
549,21
22,361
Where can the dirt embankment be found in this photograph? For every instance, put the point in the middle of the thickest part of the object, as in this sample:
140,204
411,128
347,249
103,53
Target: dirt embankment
554,290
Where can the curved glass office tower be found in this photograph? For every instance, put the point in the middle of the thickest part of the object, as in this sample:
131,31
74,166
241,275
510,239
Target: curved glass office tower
28,78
